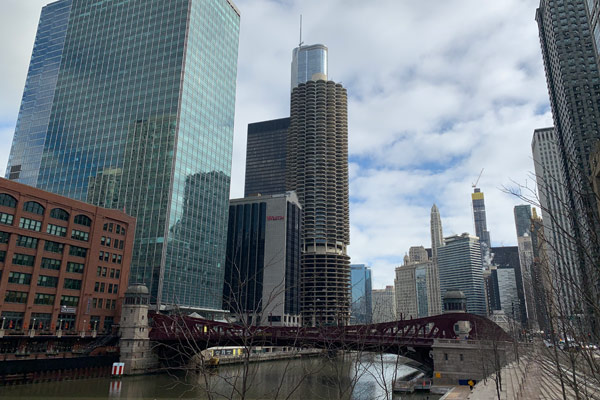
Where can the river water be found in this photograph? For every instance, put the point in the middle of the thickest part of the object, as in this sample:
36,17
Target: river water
368,377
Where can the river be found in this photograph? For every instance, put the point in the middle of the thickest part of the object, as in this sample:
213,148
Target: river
343,377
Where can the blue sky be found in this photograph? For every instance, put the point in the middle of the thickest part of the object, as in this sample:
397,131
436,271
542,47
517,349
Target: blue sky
437,91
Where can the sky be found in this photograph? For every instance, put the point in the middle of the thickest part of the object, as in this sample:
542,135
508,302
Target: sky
437,90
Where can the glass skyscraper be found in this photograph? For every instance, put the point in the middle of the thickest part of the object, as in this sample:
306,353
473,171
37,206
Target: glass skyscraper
309,61
141,119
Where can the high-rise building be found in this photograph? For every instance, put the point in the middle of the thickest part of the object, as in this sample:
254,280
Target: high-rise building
437,235
460,268
526,257
262,268
317,169
540,273
417,254
309,63
492,291
573,78
507,290
417,290
479,216
154,99
383,304
561,249
361,294
593,11
508,257
265,157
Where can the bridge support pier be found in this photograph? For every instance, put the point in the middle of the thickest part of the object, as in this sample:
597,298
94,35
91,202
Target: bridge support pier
457,361
135,346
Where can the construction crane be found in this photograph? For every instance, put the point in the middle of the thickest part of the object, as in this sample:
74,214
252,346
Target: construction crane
477,181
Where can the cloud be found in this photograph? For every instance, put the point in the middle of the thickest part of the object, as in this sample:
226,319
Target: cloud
437,91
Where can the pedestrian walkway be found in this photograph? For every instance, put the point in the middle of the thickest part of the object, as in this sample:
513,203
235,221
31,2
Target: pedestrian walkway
534,377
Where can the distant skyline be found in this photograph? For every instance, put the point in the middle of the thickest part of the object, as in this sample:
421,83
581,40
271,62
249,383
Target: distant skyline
437,91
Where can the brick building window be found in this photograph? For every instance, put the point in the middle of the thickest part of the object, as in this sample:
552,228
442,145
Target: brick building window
33,207
31,224
56,230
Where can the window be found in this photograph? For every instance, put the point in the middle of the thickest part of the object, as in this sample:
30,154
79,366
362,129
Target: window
40,321
75,267
23,259
110,227
119,259
79,235
33,207
105,227
74,284
116,289
123,231
94,302
118,229
53,247
102,240
100,303
15,297
108,323
114,258
19,278
110,287
78,251
27,241
120,244
2,255
69,301
104,271
102,285
118,274
4,237
7,200
112,272
462,358
47,281
108,304
43,298
31,224
108,241
96,286
82,220
50,263
6,219
99,271
56,230
59,213
446,356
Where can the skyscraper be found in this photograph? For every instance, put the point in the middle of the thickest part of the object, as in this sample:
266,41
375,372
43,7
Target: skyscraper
141,119
480,219
437,236
507,257
460,268
317,169
308,63
262,268
417,289
558,233
384,309
361,294
265,157
573,79
525,244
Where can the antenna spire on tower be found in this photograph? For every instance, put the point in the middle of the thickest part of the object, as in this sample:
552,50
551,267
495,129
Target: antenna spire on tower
301,42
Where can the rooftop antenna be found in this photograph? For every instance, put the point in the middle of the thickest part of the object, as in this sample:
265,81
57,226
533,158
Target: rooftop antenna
301,42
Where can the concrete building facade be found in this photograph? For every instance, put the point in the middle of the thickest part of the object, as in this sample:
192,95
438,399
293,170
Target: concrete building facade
417,290
64,264
384,309
317,169
262,268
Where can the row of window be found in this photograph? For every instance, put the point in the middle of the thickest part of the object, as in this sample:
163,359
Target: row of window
108,303
43,280
106,256
99,287
117,244
103,271
47,263
40,298
36,226
36,208
109,227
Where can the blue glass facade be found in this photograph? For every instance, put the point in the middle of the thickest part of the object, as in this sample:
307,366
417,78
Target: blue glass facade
34,114
360,276
142,120
308,61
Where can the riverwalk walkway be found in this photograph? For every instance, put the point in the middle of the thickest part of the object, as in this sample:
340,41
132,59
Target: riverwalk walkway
534,377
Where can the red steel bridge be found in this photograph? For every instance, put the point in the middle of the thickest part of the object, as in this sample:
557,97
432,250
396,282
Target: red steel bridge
412,338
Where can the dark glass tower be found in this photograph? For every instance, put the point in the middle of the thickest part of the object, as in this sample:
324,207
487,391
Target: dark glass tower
142,120
573,80
265,157
317,169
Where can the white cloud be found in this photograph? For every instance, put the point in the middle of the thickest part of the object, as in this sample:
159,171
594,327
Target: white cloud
438,90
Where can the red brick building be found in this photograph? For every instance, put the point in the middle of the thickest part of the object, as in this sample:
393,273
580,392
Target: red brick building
64,264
